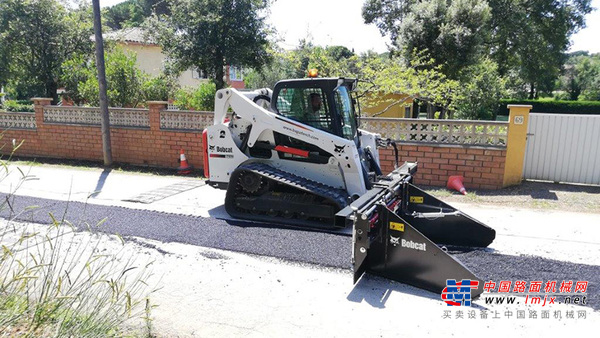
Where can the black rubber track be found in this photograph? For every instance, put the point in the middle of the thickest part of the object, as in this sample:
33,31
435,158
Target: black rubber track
314,247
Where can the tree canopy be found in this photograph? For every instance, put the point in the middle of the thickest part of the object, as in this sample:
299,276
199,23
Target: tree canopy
527,39
133,13
210,34
36,37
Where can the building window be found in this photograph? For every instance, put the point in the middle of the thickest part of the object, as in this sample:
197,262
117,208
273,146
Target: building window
235,74
198,74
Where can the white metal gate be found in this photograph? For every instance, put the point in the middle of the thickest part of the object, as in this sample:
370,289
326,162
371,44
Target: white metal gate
563,148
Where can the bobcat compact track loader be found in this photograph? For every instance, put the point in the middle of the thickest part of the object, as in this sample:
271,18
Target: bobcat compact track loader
295,155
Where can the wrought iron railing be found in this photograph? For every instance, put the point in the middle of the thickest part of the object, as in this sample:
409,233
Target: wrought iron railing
10,120
454,132
119,117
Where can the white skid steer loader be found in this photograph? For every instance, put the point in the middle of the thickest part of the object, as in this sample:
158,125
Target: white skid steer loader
295,155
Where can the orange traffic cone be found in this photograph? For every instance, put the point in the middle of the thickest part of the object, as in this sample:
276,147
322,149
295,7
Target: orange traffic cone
456,183
184,167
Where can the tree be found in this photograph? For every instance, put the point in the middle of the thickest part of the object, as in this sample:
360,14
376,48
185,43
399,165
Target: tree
526,38
480,91
453,32
421,79
588,76
280,67
532,36
124,79
36,37
210,34
133,13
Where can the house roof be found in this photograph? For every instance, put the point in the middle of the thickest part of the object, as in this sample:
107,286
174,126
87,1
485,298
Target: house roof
130,35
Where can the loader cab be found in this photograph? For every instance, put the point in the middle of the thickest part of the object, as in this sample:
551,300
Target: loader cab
322,103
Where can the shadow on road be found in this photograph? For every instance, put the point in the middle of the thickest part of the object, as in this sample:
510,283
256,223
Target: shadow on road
101,181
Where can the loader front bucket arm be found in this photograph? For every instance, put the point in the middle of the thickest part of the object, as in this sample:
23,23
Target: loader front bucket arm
397,228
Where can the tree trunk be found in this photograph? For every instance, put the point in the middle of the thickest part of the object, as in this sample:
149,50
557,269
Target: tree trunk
442,113
430,111
531,91
219,71
51,88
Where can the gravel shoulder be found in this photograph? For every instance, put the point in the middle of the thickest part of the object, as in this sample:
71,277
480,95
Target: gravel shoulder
530,195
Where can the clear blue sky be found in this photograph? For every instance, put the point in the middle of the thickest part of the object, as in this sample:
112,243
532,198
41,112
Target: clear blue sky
339,22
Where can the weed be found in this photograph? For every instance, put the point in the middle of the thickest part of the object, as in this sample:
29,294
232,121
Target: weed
56,281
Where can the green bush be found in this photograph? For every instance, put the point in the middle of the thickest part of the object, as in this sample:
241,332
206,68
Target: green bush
479,92
159,88
20,106
555,106
123,79
201,98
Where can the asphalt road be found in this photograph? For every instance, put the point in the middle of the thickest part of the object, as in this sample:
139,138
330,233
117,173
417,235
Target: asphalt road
313,247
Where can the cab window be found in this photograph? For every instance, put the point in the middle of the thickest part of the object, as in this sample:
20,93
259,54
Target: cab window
306,105
343,104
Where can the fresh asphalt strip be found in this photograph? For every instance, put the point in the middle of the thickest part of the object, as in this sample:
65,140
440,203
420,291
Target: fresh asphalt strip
326,249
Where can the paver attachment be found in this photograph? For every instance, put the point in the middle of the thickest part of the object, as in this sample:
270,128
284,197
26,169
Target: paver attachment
397,228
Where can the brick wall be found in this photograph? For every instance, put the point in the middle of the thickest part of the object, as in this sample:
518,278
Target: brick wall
149,146
481,168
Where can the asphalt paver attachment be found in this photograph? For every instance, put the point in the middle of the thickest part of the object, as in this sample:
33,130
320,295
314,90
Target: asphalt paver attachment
399,232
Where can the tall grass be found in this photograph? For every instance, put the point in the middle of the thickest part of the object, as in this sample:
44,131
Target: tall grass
56,281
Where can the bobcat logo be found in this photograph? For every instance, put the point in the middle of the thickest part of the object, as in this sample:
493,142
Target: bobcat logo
339,149
211,148
395,241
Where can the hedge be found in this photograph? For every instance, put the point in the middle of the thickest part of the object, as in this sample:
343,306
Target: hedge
555,107
17,106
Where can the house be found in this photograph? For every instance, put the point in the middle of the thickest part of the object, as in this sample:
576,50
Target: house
389,105
151,59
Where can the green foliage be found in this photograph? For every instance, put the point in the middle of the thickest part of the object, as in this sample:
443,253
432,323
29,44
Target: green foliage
530,38
201,98
555,107
124,80
480,91
379,75
159,88
526,38
280,67
77,71
36,37
421,79
587,71
210,34
453,32
132,13
18,106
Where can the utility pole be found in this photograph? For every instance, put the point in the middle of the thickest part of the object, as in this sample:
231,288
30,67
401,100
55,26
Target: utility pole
106,150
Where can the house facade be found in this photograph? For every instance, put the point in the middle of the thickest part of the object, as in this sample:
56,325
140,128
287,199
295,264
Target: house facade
151,60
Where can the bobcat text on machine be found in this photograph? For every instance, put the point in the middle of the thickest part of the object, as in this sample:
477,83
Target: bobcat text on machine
294,155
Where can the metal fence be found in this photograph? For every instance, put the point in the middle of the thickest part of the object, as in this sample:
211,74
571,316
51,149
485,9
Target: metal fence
563,148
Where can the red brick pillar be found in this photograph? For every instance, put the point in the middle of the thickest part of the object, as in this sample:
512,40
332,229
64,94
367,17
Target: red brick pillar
155,107
38,105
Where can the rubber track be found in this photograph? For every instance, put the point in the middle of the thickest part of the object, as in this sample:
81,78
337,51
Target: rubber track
325,191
